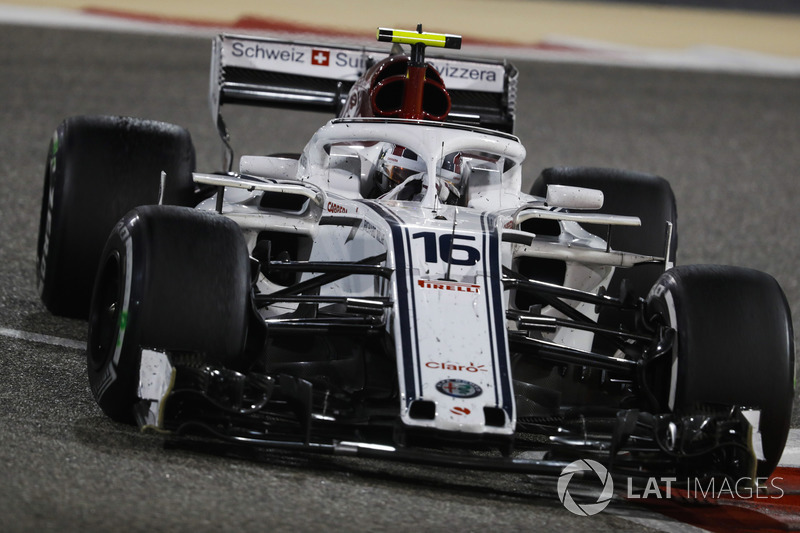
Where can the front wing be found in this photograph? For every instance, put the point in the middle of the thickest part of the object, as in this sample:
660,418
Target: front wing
282,412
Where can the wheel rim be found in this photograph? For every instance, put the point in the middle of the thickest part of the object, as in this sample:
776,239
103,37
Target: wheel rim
106,313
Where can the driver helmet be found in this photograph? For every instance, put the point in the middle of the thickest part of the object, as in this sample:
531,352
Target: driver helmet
397,164
451,169
449,180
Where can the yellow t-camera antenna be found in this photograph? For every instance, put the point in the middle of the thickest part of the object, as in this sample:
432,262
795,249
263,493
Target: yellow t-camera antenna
439,40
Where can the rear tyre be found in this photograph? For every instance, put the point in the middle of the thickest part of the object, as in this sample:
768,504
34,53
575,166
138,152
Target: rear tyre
171,278
98,168
734,345
626,193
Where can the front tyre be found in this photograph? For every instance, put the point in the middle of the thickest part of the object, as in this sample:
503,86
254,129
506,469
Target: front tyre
734,346
171,278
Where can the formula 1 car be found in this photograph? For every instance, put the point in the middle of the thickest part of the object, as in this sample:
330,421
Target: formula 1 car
391,292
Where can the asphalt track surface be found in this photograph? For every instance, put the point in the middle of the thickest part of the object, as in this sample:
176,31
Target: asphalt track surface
729,144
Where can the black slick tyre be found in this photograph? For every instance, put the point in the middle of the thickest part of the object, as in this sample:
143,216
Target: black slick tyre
98,168
172,279
734,346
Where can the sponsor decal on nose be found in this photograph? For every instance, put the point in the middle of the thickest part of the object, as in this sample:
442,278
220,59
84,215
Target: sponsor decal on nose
449,286
459,388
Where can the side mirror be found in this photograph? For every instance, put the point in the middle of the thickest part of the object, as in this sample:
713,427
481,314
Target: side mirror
574,197
282,168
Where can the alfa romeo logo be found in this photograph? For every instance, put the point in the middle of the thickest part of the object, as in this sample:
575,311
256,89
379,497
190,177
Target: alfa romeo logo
459,388
585,509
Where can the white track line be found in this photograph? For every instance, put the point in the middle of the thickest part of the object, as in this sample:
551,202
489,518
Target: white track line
44,339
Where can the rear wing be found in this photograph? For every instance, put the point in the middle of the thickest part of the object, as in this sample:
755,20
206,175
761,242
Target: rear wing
316,77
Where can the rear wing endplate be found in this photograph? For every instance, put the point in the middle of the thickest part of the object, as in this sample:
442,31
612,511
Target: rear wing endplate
315,77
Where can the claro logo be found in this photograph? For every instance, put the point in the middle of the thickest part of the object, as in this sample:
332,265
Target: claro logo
452,366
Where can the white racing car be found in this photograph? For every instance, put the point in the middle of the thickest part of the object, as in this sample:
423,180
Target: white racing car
391,292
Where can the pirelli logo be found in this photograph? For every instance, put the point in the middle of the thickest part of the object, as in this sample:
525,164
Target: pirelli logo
449,286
